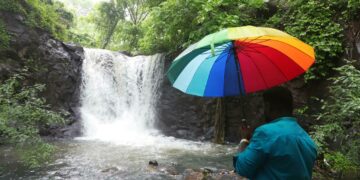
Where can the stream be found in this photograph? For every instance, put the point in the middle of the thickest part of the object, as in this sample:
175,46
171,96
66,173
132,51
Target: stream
119,95
89,159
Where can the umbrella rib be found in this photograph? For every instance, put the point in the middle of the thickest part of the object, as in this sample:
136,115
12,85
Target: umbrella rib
253,45
221,49
257,68
245,40
250,44
238,69
257,38
289,45
227,57
264,55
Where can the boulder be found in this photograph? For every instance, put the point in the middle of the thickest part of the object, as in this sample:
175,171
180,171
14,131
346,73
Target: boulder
54,63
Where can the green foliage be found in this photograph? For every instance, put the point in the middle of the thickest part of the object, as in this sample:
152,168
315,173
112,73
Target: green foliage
126,37
46,14
4,36
22,114
316,23
35,155
219,14
338,133
169,26
118,23
339,162
346,96
107,19
12,6
353,9
176,24
50,16
326,133
84,32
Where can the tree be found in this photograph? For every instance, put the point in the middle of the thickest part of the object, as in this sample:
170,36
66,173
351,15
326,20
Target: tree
107,18
122,19
174,24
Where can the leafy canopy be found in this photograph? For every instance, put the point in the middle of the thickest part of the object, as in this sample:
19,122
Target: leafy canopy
173,25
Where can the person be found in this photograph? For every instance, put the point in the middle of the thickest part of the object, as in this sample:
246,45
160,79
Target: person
279,149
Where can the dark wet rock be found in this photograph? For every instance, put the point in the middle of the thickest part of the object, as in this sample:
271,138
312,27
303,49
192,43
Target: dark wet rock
153,167
56,64
153,163
209,169
181,115
126,53
228,176
182,132
190,174
207,174
169,170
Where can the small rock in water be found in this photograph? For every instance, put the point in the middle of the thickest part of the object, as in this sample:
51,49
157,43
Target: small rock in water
209,173
153,166
208,169
110,169
170,170
153,163
224,174
190,174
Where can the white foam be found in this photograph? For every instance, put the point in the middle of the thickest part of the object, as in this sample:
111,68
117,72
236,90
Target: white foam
119,95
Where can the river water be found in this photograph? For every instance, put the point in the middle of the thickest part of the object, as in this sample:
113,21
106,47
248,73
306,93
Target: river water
118,112
89,159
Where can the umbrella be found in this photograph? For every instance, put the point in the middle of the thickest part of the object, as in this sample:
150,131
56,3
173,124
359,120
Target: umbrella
240,60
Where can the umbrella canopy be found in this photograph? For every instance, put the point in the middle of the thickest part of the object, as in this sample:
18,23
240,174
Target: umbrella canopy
241,60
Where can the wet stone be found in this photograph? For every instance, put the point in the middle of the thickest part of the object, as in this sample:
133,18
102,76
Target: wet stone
153,163
190,174
110,169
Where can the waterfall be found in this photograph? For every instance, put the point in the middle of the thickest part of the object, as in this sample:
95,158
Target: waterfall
119,96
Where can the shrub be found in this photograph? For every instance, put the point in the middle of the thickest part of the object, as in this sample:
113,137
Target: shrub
48,15
318,24
4,36
337,134
22,114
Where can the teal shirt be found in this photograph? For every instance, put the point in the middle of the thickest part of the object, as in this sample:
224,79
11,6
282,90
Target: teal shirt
280,149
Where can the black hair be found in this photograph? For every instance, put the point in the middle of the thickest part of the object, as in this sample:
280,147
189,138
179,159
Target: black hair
280,101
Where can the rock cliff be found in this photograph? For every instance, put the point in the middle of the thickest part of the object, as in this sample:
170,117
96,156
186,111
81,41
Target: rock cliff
54,63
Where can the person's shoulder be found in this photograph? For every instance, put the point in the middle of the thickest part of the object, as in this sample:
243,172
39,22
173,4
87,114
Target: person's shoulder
275,125
263,129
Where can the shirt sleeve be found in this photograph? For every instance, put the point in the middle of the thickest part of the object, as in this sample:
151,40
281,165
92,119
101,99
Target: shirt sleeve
249,161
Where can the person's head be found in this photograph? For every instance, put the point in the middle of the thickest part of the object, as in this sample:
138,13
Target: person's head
278,103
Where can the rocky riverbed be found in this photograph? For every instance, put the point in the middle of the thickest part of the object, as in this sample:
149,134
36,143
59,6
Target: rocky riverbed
91,159
208,173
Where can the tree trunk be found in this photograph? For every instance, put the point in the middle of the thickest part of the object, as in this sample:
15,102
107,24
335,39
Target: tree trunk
110,34
219,133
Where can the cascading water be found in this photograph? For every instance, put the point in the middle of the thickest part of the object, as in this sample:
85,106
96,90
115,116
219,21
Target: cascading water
119,95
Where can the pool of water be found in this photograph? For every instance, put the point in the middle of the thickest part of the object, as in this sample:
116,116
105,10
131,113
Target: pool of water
91,159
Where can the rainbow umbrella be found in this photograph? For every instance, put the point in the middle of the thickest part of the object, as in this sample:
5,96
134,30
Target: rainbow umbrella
241,60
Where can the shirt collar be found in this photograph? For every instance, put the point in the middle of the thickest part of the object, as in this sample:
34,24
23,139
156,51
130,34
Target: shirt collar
285,118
